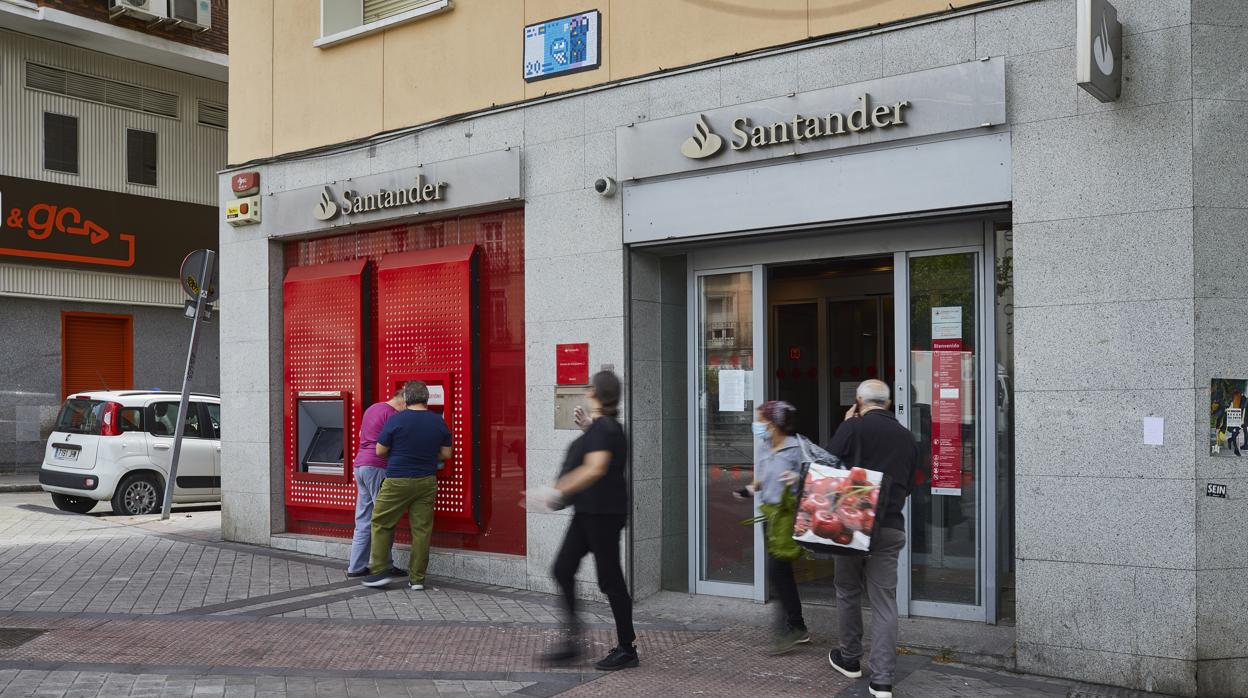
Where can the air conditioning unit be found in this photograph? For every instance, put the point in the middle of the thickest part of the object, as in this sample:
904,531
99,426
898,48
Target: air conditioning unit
193,14
140,9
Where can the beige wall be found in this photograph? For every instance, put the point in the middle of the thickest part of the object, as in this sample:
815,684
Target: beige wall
287,95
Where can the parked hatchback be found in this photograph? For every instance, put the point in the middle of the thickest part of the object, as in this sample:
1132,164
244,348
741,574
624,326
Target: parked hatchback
118,445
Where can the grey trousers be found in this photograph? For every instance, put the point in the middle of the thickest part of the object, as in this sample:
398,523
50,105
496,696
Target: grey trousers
878,573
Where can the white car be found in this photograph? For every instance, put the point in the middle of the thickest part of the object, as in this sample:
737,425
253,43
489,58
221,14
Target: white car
118,445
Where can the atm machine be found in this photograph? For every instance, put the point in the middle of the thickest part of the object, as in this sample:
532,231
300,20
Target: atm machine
326,341
427,330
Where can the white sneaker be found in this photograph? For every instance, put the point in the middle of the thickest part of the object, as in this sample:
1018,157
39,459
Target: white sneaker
878,691
416,587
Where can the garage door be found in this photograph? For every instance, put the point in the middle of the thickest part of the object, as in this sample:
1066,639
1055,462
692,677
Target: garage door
96,352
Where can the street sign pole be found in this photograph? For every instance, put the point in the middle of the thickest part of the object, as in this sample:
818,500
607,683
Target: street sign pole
205,282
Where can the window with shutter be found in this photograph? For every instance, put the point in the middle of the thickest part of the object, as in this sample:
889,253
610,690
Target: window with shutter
140,157
381,9
96,352
60,143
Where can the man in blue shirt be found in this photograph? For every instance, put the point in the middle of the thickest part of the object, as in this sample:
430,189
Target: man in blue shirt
414,443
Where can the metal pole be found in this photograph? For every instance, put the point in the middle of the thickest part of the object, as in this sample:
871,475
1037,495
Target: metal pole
205,280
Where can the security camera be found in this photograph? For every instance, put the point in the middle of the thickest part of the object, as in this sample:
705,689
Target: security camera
606,186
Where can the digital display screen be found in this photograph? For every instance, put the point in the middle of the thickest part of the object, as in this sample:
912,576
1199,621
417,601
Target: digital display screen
561,46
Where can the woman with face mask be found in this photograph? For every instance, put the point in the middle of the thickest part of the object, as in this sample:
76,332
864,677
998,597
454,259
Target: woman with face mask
777,466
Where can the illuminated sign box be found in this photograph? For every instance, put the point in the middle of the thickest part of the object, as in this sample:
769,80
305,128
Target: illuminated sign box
562,46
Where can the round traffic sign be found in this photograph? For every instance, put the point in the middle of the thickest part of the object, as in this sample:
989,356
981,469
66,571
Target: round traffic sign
192,269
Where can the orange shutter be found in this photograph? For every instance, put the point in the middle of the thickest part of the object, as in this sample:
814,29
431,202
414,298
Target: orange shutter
96,352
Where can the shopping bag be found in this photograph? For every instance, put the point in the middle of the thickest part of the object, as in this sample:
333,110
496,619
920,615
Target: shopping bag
778,531
837,506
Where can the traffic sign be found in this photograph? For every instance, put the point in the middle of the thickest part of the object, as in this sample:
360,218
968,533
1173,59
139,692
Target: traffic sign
192,270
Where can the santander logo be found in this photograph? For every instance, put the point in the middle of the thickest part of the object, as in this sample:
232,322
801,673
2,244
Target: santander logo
1102,52
326,209
702,143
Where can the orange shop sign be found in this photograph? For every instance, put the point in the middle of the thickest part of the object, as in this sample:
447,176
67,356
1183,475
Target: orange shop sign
59,225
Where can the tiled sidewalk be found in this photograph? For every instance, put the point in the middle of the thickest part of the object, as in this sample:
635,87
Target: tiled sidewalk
107,606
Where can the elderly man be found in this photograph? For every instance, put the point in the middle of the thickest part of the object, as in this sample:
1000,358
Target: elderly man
414,443
872,437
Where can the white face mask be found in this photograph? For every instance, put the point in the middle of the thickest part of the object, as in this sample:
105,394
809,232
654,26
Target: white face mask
760,430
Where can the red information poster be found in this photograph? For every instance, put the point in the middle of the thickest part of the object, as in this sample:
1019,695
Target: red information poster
571,364
947,401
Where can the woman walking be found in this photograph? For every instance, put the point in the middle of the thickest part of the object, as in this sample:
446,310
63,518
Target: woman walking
592,482
777,469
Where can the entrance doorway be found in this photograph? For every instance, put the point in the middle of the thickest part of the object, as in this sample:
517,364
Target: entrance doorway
770,323
832,326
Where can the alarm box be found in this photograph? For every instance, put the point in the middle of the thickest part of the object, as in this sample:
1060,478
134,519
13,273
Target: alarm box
245,211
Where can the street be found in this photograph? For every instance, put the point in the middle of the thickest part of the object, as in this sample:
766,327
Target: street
104,605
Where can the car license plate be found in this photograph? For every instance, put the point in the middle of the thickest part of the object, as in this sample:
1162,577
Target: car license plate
66,454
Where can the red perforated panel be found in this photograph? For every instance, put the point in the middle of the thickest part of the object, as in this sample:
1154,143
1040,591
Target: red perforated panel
323,317
426,326
499,237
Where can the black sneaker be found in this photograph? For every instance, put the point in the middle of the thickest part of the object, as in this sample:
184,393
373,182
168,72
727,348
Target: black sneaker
852,669
880,690
357,573
381,579
398,571
619,658
563,653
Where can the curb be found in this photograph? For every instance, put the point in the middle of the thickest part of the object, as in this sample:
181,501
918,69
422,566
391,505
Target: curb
7,487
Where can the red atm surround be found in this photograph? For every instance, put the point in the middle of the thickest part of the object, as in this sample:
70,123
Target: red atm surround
427,330
324,345
499,239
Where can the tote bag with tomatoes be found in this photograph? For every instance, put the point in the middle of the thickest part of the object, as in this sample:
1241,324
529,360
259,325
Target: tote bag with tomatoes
837,507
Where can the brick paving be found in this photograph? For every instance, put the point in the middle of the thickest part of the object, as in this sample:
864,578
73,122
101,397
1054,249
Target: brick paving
102,605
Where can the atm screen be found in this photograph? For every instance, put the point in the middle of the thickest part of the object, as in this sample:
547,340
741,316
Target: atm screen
325,449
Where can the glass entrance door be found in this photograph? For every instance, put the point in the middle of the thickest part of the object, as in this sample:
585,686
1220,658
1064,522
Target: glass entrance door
725,553
943,331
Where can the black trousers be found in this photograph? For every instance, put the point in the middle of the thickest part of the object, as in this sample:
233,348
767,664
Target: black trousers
597,534
784,586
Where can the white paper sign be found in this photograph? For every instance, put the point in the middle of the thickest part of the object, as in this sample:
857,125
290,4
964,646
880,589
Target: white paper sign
849,394
732,390
1234,417
947,322
1154,430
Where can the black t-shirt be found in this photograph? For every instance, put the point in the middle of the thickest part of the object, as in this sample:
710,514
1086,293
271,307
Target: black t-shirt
877,441
609,495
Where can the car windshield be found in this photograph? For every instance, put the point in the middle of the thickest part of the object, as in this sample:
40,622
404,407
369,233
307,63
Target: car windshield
80,416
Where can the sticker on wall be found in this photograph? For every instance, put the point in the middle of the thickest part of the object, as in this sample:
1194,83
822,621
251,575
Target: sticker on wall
1213,489
1227,404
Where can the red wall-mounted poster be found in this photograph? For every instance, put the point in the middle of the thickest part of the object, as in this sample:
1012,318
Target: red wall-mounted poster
947,401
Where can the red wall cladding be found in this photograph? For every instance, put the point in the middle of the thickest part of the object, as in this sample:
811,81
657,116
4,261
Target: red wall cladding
499,377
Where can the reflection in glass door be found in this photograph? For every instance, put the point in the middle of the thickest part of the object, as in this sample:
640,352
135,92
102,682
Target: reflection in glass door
944,521
723,406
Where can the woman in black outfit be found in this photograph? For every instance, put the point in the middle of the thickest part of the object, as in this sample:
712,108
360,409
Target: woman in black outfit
592,482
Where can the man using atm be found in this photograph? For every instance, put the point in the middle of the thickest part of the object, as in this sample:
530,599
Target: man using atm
414,443
370,472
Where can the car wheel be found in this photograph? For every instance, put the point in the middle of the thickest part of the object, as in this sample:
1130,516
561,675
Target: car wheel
136,495
77,505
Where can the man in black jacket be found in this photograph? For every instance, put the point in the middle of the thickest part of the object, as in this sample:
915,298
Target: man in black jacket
872,438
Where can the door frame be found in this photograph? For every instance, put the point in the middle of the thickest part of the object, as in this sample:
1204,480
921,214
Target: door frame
903,240
758,304
985,432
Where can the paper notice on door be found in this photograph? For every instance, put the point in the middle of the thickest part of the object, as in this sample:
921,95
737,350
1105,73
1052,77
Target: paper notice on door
849,393
732,390
947,322
1154,431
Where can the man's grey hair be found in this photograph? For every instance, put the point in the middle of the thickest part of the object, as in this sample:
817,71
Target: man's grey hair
416,393
874,392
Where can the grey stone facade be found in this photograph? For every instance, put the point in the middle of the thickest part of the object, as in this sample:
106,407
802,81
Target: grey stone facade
31,345
1130,279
